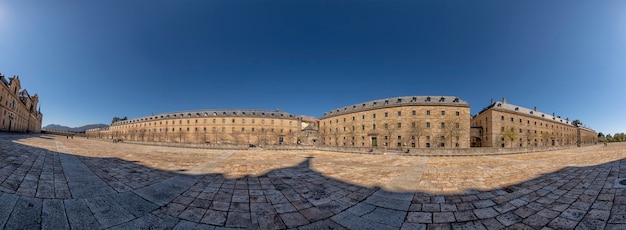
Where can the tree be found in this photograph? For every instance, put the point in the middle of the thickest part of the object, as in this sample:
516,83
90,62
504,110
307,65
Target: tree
509,135
116,119
452,130
417,130
577,123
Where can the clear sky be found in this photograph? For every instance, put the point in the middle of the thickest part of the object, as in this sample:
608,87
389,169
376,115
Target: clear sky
92,60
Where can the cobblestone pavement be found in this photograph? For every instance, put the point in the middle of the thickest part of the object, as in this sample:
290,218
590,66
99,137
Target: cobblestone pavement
51,182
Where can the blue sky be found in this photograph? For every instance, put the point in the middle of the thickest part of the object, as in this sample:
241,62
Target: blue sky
92,60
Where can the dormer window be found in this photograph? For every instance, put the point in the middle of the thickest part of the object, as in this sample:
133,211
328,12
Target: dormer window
516,109
531,112
374,103
399,100
214,113
234,113
224,113
206,114
354,107
386,102
456,100
543,115
363,105
427,99
414,99
442,99
499,105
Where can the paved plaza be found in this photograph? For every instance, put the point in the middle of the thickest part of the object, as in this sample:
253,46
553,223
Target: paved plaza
51,182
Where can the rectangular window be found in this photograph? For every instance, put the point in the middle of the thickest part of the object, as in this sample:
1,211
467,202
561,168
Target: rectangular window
443,125
427,112
373,115
399,125
413,112
386,114
243,121
458,113
457,125
399,137
443,112
413,124
502,118
427,124
399,113
363,127
374,126
363,117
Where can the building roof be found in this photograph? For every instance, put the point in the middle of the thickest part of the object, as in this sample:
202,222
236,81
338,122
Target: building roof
397,101
4,80
211,113
525,111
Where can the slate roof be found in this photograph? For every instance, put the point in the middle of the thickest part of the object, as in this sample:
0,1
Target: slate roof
211,113
397,101
525,111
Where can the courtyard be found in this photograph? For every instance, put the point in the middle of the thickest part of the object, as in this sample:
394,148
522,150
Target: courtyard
52,182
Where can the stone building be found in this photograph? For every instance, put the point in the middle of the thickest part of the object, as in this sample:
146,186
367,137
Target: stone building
257,127
399,123
506,125
586,136
18,109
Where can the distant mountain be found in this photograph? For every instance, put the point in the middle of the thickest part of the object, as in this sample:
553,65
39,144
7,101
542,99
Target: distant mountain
77,129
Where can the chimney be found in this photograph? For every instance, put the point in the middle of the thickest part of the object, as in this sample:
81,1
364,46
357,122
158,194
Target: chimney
535,109
504,100
491,101
553,114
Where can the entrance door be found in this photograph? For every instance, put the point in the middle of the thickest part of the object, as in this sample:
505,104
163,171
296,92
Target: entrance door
374,142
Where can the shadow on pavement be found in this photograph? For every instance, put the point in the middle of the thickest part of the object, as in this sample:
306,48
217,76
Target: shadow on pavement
43,189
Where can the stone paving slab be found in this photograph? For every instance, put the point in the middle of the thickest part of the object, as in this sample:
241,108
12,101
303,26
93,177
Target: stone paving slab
47,182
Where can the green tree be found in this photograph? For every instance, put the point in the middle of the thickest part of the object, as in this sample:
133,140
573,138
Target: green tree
116,119
609,138
509,135
577,123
